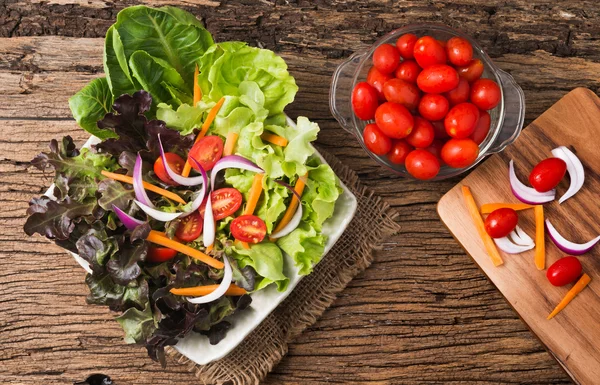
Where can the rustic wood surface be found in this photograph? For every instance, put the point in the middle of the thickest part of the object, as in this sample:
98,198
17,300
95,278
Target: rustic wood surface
573,334
423,312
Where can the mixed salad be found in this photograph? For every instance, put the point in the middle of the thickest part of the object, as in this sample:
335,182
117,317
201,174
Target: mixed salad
199,183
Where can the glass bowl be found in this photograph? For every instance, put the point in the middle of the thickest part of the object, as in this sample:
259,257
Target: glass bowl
506,118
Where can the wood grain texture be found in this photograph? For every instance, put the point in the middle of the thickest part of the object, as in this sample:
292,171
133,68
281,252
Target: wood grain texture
572,335
423,312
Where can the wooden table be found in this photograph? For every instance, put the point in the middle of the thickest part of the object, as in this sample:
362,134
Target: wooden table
423,312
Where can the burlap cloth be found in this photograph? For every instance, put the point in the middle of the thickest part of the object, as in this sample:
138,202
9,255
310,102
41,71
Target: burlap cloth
256,356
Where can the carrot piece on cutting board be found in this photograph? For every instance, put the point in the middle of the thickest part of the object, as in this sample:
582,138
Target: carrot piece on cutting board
576,289
540,232
489,207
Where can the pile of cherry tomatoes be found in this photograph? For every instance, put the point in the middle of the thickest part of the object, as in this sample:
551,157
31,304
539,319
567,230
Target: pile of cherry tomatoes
429,104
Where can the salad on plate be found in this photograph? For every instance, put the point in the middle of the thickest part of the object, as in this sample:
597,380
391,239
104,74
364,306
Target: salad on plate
196,185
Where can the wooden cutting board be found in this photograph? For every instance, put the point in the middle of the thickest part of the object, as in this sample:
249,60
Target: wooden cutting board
573,336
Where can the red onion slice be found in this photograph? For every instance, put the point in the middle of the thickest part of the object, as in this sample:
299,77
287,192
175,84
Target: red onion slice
208,233
138,183
527,194
198,196
232,161
157,214
575,169
520,237
509,247
128,221
220,290
295,221
184,181
568,246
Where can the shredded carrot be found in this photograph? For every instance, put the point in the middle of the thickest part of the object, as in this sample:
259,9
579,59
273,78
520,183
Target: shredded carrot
576,289
291,210
230,143
245,245
254,196
478,221
147,186
540,242
198,291
159,239
212,114
489,207
275,139
209,248
197,89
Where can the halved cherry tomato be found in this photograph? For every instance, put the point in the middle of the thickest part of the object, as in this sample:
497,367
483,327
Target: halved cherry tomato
564,271
428,52
485,94
375,140
399,152
403,92
224,202
471,71
176,164
482,128
461,120
459,50
408,71
437,79
160,254
501,222
386,58
190,227
377,79
364,101
422,134
248,228
406,45
207,151
459,153
459,94
547,174
422,164
433,107
394,120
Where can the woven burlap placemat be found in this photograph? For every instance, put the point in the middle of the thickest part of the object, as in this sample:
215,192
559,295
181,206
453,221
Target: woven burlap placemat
256,356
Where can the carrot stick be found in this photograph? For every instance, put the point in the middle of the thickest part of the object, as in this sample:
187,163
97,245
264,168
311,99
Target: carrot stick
540,242
487,240
159,239
209,248
245,245
197,89
576,289
147,186
254,196
291,210
198,291
489,207
230,143
275,139
212,114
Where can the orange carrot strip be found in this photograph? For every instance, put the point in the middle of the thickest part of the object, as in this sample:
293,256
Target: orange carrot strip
254,196
245,245
275,139
159,239
209,248
576,289
230,143
291,210
489,207
197,89
147,186
490,246
212,114
198,291
540,232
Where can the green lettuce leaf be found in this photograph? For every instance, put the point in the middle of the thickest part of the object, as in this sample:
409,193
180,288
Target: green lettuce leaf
116,68
90,104
138,325
305,245
320,194
299,148
266,259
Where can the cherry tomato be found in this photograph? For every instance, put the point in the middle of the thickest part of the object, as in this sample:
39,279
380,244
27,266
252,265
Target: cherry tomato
461,120
422,164
433,107
428,52
437,78
436,149
176,164
375,140
471,71
248,228
400,91
459,153
439,129
377,79
422,134
485,94
160,254
460,51
564,271
364,101
386,58
399,152
394,120
207,151
406,45
501,222
408,71
459,94
482,128
547,174
190,227
225,202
